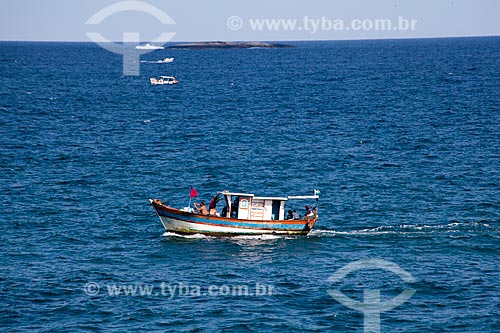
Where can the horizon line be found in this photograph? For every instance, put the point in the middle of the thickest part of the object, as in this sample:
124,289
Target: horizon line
254,40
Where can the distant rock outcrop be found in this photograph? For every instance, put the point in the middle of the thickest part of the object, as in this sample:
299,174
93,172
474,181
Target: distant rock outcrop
228,45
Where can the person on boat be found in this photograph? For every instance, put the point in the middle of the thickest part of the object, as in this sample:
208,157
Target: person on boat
289,215
212,207
295,215
309,212
201,208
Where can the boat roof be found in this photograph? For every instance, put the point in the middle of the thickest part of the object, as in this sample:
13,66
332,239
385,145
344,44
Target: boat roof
272,198
167,77
240,194
303,197
237,194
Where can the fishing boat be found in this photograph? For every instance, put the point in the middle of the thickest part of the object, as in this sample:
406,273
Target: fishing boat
163,80
148,46
243,214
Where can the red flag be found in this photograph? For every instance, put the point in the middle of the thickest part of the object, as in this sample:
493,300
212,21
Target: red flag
193,193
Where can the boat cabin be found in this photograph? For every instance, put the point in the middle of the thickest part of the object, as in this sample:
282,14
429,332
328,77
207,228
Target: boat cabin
247,206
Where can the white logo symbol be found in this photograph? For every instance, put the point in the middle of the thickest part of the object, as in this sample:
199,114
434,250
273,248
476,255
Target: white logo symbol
234,23
371,306
131,55
92,288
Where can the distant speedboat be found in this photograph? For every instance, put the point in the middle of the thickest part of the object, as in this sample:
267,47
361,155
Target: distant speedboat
166,60
243,214
149,47
163,80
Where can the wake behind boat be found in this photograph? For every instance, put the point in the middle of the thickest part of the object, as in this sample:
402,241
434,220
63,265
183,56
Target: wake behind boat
165,61
161,61
243,214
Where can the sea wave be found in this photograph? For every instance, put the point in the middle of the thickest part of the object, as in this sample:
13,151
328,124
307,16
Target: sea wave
261,237
406,229
193,236
236,238
161,61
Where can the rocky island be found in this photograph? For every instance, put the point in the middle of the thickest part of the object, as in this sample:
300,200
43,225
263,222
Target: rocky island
228,45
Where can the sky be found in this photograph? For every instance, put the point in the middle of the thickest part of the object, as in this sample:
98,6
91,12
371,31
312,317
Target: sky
233,20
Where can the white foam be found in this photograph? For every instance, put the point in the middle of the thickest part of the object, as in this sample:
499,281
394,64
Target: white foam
239,237
193,236
403,229
320,233
161,61
260,237
332,233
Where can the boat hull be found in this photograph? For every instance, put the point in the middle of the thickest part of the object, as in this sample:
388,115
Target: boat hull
181,222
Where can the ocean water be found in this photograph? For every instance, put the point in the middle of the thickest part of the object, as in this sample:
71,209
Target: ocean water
402,137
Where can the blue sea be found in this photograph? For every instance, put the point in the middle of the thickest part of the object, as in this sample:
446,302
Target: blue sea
402,137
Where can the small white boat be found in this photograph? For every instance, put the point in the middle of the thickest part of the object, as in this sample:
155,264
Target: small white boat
243,214
149,47
163,80
166,60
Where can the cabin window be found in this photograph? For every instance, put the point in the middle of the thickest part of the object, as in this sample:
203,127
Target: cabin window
276,210
234,207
